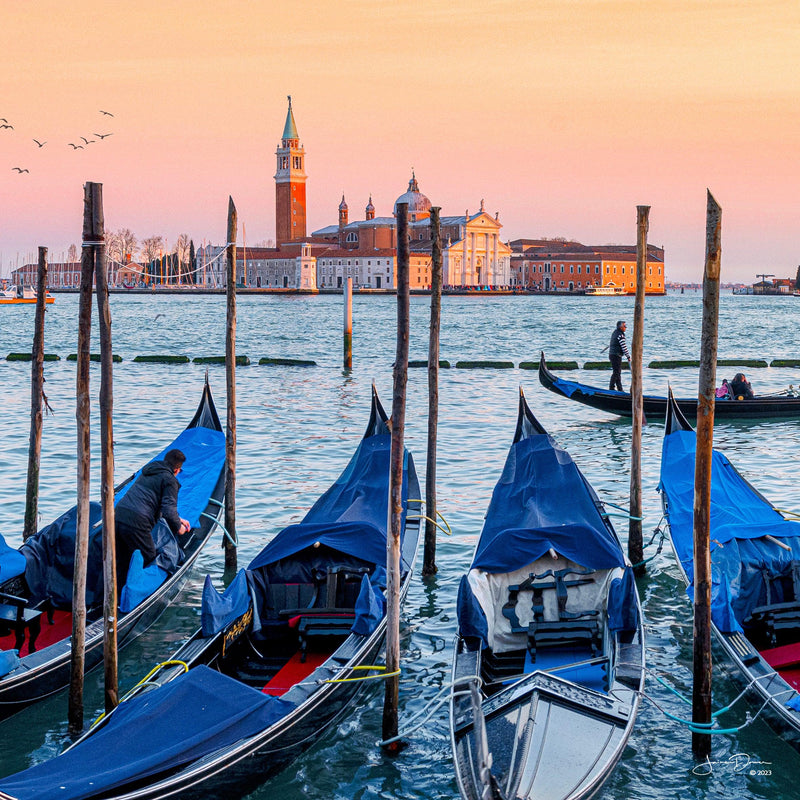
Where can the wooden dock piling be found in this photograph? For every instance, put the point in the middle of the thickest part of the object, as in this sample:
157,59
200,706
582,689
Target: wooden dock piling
348,324
635,539
429,558
395,510
701,690
230,376
92,232
110,604
37,401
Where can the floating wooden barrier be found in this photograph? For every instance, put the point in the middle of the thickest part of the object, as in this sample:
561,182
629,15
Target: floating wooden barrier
785,362
241,361
94,357
424,364
161,360
27,357
287,362
722,362
756,363
550,365
484,365
602,365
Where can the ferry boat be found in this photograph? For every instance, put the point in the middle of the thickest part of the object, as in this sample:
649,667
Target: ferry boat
16,295
608,289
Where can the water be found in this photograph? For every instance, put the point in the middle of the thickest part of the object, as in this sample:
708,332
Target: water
297,427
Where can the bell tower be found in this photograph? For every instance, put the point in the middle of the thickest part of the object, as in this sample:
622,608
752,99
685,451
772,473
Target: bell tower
290,185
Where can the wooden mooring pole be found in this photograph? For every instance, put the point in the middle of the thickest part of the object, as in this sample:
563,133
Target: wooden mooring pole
635,540
92,232
701,692
230,376
429,558
37,402
395,510
111,685
348,325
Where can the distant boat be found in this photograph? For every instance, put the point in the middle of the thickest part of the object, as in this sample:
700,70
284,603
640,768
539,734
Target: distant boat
608,290
16,295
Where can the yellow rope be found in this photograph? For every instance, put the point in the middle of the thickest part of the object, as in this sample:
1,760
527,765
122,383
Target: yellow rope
448,532
789,513
132,690
364,677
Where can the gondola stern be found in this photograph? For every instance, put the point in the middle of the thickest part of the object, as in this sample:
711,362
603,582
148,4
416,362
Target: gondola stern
206,415
378,419
527,424
675,419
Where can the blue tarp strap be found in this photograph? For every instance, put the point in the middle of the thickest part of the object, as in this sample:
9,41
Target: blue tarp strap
232,539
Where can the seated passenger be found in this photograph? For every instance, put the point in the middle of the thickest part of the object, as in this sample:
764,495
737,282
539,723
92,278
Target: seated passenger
741,387
724,391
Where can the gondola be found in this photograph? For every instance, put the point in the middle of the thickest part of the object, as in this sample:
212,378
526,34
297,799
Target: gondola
656,407
279,657
549,660
755,563
36,588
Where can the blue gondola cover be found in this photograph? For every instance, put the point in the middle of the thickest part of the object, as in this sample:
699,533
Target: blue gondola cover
217,610
346,518
141,582
370,607
12,562
740,517
543,501
198,712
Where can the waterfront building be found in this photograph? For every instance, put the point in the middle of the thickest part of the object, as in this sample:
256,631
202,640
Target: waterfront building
473,254
558,265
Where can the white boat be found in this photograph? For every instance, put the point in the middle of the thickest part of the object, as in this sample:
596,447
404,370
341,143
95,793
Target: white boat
16,295
608,289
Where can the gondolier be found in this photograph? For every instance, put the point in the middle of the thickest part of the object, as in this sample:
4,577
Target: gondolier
153,495
617,349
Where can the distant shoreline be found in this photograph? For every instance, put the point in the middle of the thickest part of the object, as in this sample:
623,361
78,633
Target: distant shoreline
197,290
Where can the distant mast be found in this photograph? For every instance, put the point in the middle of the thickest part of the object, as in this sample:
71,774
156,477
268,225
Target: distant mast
290,184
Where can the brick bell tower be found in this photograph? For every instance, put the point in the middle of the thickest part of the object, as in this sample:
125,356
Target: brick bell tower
290,185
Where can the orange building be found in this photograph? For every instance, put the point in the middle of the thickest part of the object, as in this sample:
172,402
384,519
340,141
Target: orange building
561,266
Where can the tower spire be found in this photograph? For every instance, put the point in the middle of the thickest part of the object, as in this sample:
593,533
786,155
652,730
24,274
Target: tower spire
290,129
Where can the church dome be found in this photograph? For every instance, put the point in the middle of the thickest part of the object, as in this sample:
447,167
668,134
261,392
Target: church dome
418,205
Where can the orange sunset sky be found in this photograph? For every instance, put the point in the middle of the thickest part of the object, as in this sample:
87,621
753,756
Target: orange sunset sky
562,115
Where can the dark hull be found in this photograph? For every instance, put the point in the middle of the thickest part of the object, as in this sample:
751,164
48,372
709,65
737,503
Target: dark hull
235,769
534,734
47,671
241,768
619,403
767,687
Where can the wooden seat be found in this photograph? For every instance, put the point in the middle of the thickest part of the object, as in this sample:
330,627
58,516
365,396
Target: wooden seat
15,615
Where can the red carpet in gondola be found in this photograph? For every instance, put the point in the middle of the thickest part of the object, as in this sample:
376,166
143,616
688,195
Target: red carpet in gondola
294,671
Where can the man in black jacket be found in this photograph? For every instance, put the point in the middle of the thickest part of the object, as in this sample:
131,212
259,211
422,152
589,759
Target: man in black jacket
154,494
616,350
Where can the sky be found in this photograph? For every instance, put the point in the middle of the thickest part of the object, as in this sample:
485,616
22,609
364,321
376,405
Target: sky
562,115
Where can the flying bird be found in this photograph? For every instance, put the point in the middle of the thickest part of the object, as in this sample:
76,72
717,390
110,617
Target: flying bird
88,141
107,113
103,135
7,126
19,169
41,144
3,119
75,146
